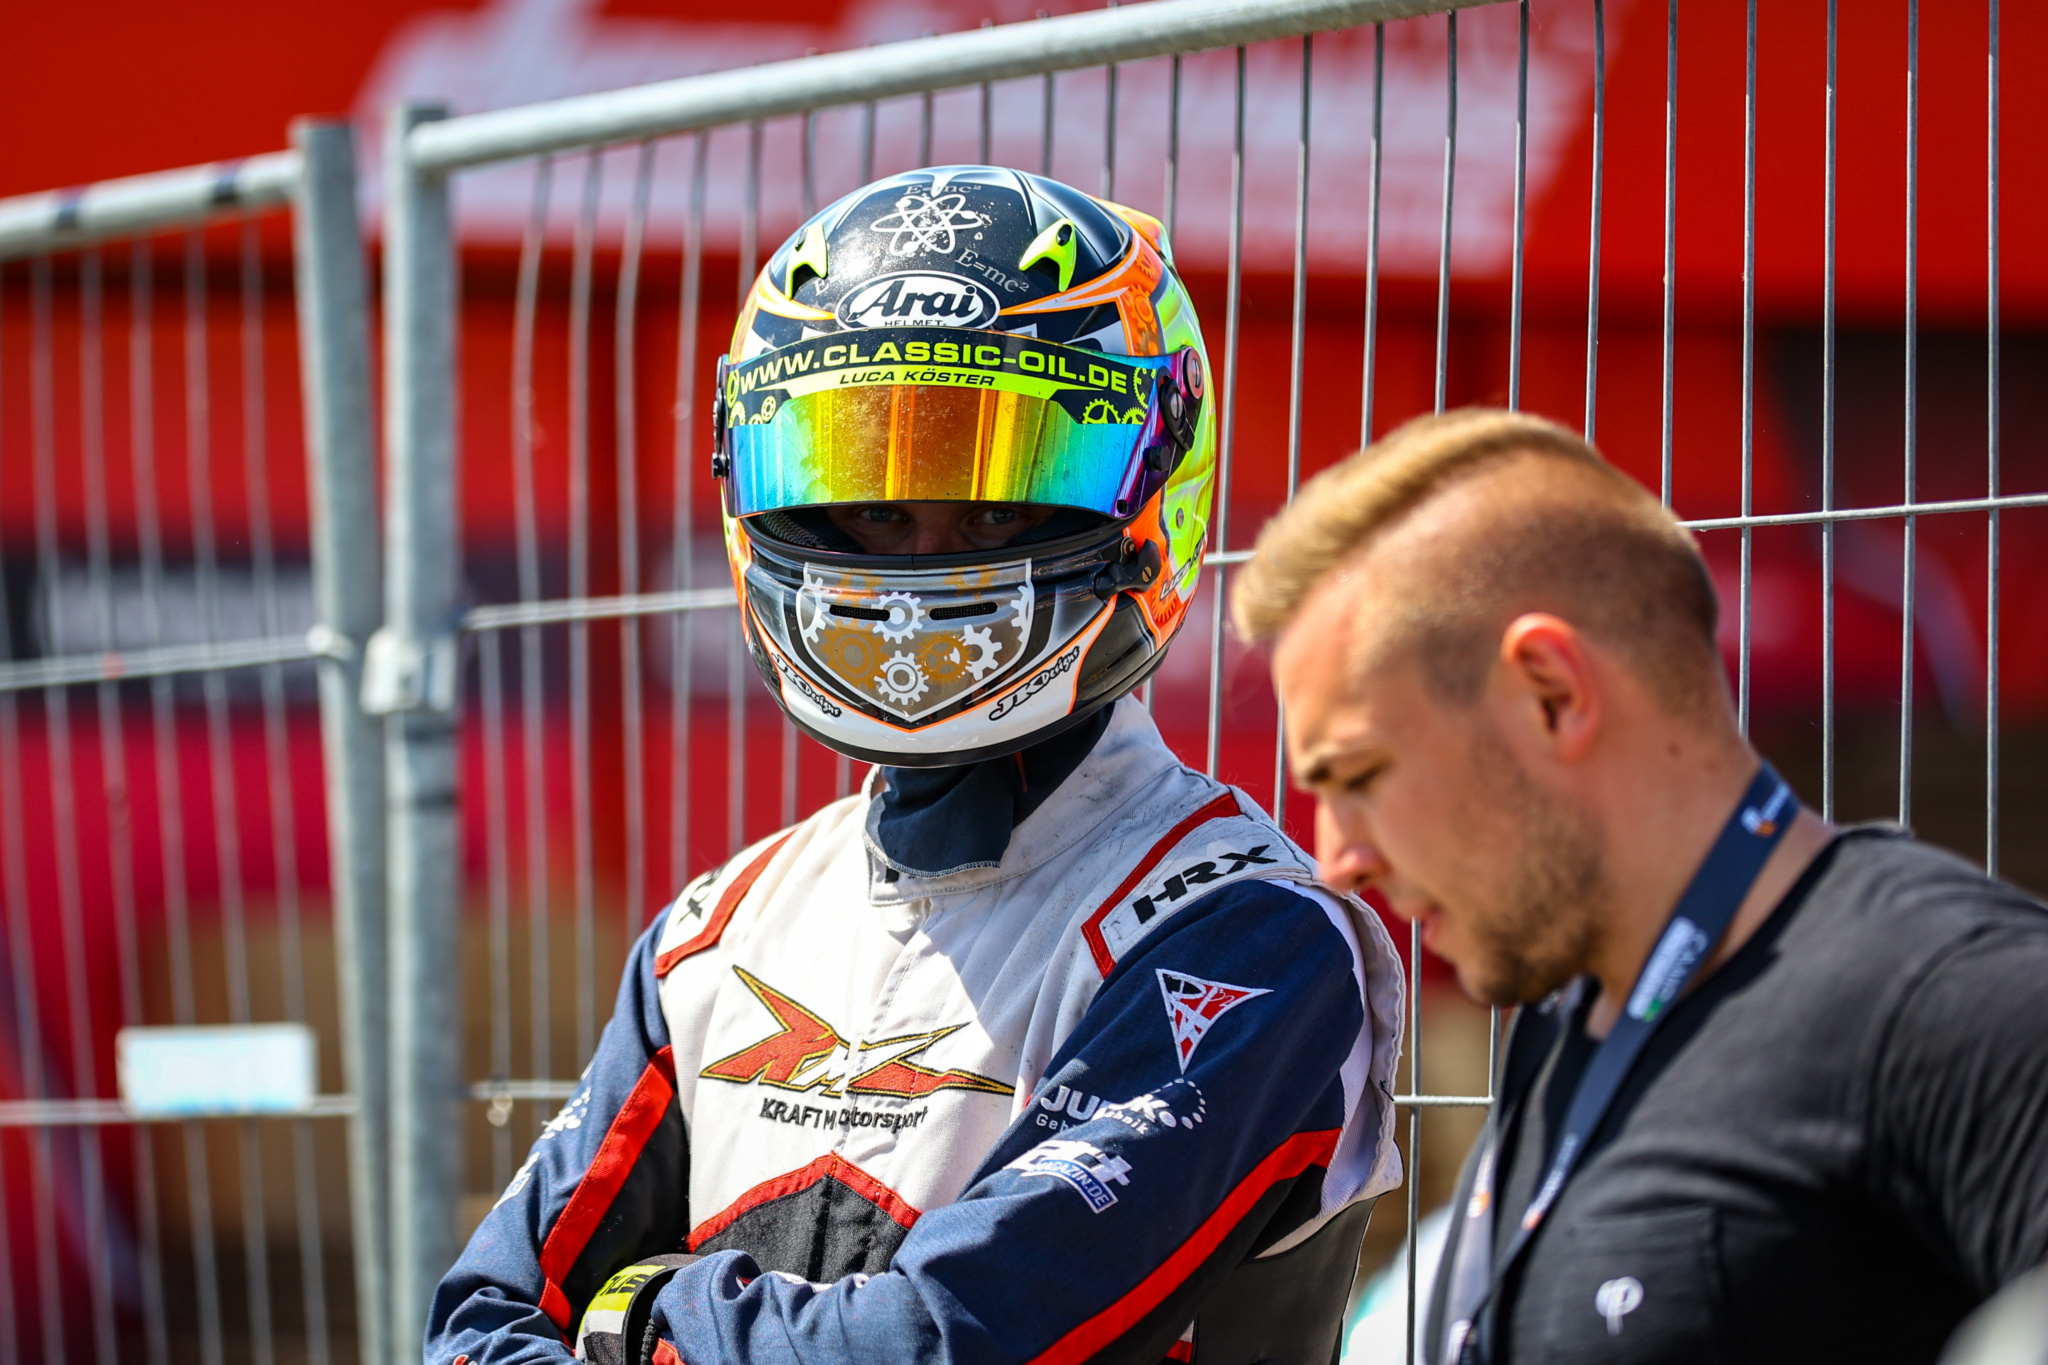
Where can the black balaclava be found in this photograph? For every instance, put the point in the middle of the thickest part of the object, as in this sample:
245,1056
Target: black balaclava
940,820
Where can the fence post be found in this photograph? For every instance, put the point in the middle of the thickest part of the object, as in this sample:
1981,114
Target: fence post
410,678
334,370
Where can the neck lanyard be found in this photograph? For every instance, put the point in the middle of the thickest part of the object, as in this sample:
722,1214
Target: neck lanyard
1701,916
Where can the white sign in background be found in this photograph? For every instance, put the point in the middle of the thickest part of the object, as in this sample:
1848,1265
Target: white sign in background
514,52
225,1069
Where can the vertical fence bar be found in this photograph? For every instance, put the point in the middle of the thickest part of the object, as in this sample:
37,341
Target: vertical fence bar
1169,216
1493,1012
1670,376
625,337
220,762
64,803
1172,193
1521,202
28,1033
532,674
1599,189
810,168
1991,450
988,100
1827,442
1219,531
924,125
284,839
1414,1172
584,821
1297,352
114,759
1908,578
1109,129
27,1011
27,995
93,457
1748,360
227,839
582,750
1045,143
1372,237
1443,260
10,1338
171,843
491,680
412,680
736,644
14,894
683,532
1410,1246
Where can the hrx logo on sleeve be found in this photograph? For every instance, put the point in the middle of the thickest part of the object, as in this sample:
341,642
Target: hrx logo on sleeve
1193,1006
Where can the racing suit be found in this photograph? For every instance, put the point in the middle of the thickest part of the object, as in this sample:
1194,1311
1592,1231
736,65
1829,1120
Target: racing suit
1062,1107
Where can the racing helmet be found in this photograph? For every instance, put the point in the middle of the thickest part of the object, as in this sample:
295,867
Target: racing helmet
967,334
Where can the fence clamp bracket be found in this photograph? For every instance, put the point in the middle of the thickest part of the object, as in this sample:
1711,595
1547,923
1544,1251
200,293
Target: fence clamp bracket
406,673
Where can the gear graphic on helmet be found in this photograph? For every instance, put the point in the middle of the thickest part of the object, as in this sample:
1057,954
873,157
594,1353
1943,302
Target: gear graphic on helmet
986,656
942,659
904,616
851,654
1022,606
1101,412
811,612
901,681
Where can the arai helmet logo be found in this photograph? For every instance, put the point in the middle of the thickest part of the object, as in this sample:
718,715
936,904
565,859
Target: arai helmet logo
913,299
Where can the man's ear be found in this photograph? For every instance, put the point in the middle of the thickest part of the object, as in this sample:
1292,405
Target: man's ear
1552,684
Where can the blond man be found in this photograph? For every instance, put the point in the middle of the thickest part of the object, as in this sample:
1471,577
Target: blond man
1782,1093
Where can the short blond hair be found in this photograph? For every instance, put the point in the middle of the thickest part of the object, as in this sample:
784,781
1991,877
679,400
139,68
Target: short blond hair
1593,547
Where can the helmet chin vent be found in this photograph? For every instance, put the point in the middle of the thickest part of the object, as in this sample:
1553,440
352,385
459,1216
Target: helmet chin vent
961,613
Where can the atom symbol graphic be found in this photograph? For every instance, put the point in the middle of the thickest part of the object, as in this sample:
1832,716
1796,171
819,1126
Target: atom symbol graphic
928,222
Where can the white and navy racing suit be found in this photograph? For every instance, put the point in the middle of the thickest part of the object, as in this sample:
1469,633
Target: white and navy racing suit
1048,1109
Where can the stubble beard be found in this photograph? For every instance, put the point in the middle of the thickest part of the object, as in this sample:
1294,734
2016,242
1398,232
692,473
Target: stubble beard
1546,925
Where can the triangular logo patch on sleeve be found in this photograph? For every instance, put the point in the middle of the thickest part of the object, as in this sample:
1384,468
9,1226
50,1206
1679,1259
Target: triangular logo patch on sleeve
1193,1005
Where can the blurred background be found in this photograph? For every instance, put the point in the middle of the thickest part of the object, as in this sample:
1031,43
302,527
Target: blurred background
163,845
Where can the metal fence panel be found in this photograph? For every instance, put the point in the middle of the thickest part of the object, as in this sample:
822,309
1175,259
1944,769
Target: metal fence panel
1352,207
166,605
580,576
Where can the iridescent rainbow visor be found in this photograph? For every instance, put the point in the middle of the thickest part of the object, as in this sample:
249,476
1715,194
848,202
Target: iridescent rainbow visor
892,414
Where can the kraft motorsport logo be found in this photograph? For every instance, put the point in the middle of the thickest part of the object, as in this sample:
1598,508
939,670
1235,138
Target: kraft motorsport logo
1092,387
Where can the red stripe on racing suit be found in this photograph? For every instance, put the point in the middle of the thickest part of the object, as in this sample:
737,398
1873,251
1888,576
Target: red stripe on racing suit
1105,960
624,1140
721,914
1287,1161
